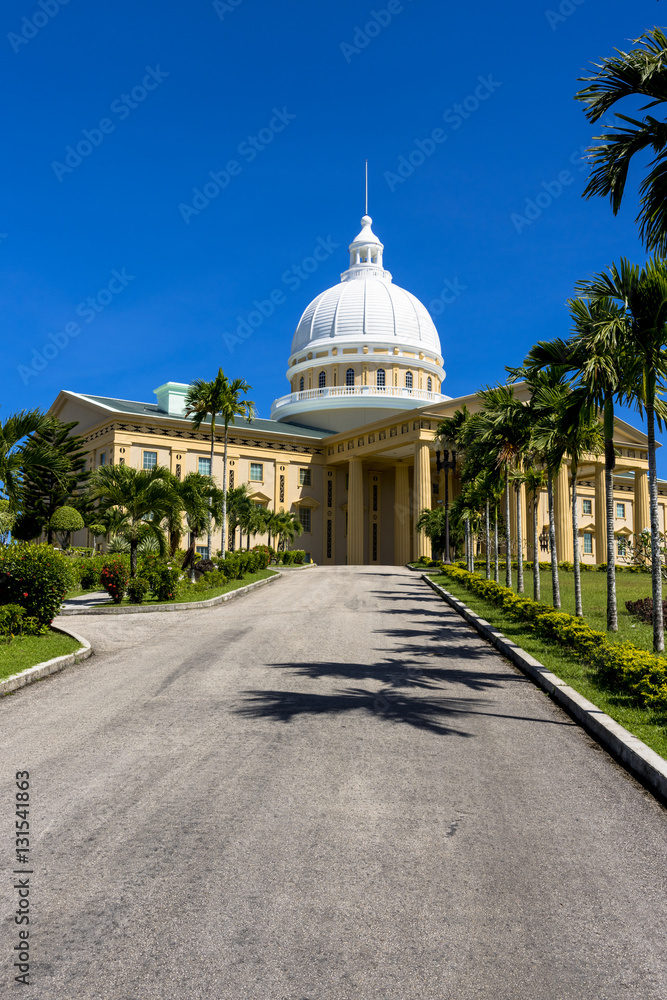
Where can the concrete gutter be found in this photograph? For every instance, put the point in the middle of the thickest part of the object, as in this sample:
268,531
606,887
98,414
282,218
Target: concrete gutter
53,666
632,752
138,609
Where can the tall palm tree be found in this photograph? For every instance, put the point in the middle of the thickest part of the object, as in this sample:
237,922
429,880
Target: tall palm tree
287,527
535,482
506,429
145,498
205,400
237,502
637,330
642,72
199,497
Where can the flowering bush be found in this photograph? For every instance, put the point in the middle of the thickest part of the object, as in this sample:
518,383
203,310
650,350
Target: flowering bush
114,578
37,577
137,589
635,670
164,582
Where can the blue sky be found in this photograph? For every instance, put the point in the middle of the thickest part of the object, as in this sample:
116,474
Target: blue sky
282,103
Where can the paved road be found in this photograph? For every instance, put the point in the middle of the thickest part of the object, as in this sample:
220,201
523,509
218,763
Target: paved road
331,789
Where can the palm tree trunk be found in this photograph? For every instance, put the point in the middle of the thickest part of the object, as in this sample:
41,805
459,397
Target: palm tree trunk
466,540
508,540
555,583
578,608
209,540
134,545
496,559
610,462
224,495
656,570
536,558
487,540
519,543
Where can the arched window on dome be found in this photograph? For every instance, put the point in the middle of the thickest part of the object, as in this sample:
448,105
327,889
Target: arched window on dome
301,384
349,377
379,380
429,384
408,380
322,380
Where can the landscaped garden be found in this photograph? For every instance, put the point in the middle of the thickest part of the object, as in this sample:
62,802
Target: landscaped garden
616,671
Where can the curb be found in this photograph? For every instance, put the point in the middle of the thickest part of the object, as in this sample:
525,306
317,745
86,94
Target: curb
155,609
288,569
632,752
54,666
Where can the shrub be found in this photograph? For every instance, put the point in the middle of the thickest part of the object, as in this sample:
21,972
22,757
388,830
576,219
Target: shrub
14,621
66,519
137,589
37,577
299,556
642,674
643,609
114,578
164,584
89,571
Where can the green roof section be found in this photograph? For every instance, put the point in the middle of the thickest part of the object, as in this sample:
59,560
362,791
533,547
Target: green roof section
131,407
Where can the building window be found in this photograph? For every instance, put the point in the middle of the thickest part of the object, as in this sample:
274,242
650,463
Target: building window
150,460
178,471
621,546
408,380
347,480
304,517
620,510
304,477
282,489
380,378
256,472
322,380
204,466
429,384
202,550
587,506
103,458
329,538
349,377
588,543
301,384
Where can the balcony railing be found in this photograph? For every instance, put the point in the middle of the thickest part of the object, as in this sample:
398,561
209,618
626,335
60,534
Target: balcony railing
390,391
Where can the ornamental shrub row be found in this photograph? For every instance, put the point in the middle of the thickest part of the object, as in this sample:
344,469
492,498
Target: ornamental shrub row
36,577
622,664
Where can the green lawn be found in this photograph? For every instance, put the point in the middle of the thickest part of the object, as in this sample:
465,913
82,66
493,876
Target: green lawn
651,727
206,595
629,587
28,651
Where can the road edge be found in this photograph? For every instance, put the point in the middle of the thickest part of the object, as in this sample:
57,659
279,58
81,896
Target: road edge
32,674
632,752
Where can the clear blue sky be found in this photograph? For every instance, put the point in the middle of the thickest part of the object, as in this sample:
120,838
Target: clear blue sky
169,92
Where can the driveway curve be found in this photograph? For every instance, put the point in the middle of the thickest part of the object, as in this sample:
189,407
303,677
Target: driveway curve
331,788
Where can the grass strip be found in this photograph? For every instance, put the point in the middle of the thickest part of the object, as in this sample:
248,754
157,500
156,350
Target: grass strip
647,724
24,652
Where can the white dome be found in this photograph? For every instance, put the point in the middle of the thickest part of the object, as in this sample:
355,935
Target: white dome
367,307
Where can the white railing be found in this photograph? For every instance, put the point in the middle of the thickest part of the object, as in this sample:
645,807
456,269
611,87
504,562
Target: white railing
358,390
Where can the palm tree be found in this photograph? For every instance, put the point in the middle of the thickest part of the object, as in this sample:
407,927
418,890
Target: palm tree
209,399
535,480
506,429
287,527
432,523
199,498
642,72
15,457
636,330
237,503
144,497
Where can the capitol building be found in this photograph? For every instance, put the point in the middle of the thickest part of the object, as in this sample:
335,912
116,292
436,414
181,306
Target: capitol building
351,447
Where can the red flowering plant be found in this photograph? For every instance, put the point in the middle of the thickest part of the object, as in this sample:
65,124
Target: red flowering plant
36,577
115,577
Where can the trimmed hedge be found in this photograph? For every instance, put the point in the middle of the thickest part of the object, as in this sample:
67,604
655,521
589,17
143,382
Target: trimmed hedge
640,673
35,576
